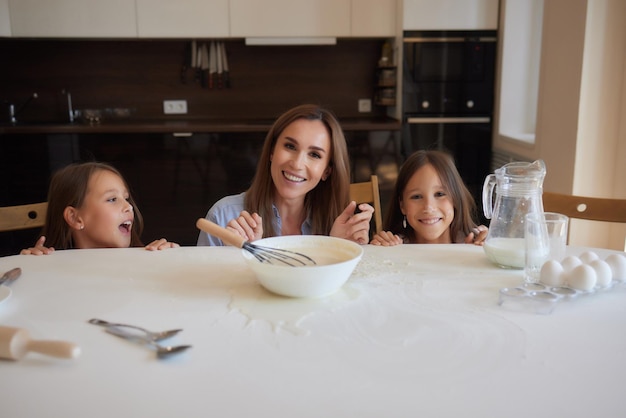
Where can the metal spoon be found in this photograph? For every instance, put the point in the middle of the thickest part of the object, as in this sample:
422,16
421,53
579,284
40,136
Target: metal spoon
154,336
10,275
162,351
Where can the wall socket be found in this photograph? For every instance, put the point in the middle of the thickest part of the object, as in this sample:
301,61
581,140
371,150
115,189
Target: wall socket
365,105
174,107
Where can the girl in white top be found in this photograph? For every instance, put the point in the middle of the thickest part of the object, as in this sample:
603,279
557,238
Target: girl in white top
430,205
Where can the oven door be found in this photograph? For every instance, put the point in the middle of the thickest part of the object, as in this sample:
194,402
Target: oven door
444,57
467,139
448,73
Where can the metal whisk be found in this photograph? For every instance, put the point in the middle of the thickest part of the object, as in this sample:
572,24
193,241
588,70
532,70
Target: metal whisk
263,254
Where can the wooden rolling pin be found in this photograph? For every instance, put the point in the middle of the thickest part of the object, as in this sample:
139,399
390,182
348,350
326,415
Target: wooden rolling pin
15,343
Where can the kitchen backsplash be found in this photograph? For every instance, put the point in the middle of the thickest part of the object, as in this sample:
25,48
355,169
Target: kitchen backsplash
137,76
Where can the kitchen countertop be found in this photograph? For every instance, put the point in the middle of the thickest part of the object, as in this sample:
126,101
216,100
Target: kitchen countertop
182,126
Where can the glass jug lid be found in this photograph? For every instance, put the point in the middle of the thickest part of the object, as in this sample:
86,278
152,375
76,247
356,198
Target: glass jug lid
534,170
530,174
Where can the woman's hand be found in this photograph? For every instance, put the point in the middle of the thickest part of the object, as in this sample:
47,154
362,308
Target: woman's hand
386,239
249,226
353,226
161,244
38,249
477,236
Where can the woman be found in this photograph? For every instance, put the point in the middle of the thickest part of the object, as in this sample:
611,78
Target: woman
301,185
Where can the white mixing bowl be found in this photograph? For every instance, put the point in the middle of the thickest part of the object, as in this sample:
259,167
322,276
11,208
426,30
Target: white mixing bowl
336,258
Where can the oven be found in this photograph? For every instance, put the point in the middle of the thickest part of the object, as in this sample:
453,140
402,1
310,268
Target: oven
448,93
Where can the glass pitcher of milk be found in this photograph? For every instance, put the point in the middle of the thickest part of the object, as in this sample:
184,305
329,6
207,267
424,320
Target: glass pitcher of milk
517,187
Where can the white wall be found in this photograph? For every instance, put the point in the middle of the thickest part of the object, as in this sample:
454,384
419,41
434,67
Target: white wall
601,142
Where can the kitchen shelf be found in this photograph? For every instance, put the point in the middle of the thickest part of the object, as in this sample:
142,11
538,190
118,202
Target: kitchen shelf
385,89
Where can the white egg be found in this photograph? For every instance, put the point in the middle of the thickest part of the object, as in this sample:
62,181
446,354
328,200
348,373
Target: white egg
582,277
551,273
603,272
570,262
618,266
588,256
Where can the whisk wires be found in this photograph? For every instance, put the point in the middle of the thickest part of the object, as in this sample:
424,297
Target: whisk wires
279,255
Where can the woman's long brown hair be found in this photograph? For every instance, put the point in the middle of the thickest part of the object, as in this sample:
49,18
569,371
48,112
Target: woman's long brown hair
328,199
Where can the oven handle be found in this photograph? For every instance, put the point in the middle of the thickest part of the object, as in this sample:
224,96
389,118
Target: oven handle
414,40
478,119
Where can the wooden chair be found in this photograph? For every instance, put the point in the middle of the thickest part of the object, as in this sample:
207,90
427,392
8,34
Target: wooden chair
368,192
589,208
13,218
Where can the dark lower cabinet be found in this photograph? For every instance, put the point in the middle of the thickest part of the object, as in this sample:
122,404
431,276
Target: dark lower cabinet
174,179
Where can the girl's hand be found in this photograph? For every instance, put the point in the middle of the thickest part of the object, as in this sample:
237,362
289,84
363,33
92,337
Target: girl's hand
477,236
249,226
353,226
386,239
38,249
161,244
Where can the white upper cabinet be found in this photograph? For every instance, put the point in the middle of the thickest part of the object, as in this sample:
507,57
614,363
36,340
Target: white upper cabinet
73,18
5,22
450,15
182,18
374,18
289,18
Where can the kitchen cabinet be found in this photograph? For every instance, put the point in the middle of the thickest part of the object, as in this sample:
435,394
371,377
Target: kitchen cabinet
373,18
450,15
5,22
289,18
73,18
182,19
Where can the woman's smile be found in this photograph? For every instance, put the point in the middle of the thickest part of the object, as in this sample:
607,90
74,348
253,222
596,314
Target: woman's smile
293,177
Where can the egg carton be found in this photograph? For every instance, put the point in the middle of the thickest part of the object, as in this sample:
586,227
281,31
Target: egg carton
542,299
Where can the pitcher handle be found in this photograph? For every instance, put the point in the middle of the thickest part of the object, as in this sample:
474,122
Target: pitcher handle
488,188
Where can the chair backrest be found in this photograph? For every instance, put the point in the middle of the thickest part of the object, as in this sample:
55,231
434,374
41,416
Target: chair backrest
590,208
13,218
368,192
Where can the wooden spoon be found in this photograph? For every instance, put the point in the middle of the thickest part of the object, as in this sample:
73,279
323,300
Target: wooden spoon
15,343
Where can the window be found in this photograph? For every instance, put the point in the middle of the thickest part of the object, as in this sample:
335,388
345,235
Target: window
519,80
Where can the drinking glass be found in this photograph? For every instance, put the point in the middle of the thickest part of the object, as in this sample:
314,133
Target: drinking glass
545,239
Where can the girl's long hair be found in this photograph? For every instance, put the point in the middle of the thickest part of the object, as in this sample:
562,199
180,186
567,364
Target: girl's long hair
68,187
462,200
328,199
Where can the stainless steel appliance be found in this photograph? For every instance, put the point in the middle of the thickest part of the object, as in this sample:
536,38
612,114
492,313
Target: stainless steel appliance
448,91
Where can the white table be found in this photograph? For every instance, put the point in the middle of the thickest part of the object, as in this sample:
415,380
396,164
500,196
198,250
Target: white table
416,331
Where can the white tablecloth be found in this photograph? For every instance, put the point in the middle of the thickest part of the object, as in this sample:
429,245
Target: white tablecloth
416,331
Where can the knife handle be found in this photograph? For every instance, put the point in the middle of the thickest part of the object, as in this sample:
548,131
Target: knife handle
211,80
226,79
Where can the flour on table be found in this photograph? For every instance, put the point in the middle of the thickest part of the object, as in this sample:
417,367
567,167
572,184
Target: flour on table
285,313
